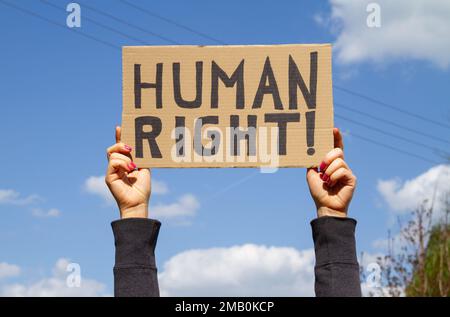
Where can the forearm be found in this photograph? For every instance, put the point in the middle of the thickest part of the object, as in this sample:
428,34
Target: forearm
135,273
337,269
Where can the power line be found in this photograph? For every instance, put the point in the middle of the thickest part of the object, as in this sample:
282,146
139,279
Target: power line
162,37
390,134
395,108
393,148
98,24
421,133
36,15
182,26
232,185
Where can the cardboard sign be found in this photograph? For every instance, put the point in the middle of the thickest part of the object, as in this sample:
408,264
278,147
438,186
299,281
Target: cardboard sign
228,106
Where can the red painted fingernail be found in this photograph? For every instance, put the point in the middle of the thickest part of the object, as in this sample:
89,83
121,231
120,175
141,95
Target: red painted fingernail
325,177
132,165
322,166
127,147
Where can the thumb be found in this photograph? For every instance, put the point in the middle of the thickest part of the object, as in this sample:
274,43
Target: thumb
118,134
338,140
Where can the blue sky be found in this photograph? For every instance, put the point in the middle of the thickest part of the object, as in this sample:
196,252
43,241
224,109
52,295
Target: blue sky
61,98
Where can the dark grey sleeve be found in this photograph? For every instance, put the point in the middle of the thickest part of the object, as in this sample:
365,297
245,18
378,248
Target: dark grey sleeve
135,273
337,269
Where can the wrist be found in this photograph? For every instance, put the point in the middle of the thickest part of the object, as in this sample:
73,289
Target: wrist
139,211
329,212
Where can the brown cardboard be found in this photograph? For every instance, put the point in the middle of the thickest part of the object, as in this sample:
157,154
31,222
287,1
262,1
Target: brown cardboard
164,68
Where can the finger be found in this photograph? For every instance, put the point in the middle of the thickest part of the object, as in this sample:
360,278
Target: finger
120,156
333,167
330,157
338,140
312,169
342,175
117,165
312,172
118,134
119,148
315,184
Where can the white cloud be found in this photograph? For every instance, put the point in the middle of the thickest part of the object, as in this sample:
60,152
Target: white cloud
381,244
418,30
6,195
246,270
405,196
159,188
51,213
55,285
186,206
367,258
8,270
372,280
10,196
96,185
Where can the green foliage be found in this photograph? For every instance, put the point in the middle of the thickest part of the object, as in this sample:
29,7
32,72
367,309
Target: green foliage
436,280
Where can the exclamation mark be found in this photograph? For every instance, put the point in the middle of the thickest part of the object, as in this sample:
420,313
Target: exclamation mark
310,127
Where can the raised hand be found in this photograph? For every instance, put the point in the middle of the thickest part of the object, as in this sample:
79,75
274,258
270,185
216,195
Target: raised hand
333,185
130,186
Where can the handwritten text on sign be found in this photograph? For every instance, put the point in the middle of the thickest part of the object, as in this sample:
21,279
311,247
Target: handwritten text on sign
227,106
